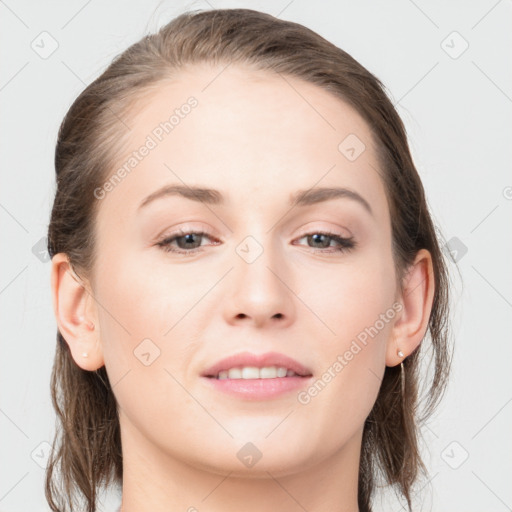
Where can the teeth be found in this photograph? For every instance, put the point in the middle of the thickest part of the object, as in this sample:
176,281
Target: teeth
251,372
281,372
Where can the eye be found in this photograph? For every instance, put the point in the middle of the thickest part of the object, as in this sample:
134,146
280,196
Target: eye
189,243
184,242
322,240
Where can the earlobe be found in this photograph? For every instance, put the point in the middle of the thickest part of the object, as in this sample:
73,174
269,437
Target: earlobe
75,312
416,296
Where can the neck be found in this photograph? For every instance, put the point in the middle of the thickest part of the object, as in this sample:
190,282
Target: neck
157,482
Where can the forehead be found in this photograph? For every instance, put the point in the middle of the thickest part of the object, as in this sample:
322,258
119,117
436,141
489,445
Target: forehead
247,131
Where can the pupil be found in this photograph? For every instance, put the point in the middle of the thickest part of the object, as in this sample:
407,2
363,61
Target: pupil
315,239
188,238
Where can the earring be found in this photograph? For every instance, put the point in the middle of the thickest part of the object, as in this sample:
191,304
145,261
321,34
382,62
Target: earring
402,379
400,353
85,354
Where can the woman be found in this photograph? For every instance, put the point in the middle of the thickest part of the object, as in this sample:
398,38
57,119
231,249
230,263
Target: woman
245,277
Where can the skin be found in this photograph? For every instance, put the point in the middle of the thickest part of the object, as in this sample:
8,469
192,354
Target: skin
257,138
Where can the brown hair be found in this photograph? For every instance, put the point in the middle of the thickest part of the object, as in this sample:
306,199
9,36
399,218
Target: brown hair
87,446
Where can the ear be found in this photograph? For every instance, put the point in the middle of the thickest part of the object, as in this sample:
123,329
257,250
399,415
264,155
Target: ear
76,314
416,297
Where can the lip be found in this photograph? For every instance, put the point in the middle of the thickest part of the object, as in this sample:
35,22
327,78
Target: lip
257,389
259,361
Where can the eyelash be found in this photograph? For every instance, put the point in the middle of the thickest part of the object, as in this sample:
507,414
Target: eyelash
346,244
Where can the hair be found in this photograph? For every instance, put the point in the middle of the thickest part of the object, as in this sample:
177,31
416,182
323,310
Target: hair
87,444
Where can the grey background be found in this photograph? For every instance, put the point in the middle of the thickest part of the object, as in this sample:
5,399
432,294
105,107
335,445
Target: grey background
457,108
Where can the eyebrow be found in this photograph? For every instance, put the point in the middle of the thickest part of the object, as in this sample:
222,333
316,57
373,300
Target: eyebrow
212,196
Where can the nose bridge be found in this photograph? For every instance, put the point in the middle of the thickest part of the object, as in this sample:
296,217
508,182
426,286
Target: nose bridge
255,259
258,282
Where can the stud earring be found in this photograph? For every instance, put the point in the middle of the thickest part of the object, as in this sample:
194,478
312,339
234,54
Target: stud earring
400,353
85,354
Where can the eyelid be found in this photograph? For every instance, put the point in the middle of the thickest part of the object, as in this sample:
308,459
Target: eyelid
341,232
201,228
184,229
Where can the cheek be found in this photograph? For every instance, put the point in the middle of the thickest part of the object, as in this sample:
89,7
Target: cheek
148,300
351,298
356,302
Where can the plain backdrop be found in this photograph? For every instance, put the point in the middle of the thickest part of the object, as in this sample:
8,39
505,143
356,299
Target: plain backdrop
447,67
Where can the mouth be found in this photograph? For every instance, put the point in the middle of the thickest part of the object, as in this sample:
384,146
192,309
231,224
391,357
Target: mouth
250,376
246,365
253,372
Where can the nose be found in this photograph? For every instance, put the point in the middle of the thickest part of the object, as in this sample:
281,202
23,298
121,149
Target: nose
260,292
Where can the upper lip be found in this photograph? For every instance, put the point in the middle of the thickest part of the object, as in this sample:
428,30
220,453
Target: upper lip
257,360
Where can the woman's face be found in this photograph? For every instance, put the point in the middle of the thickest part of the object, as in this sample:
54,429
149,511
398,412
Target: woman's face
261,279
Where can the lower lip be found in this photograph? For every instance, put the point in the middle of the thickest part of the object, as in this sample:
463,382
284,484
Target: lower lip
258,389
